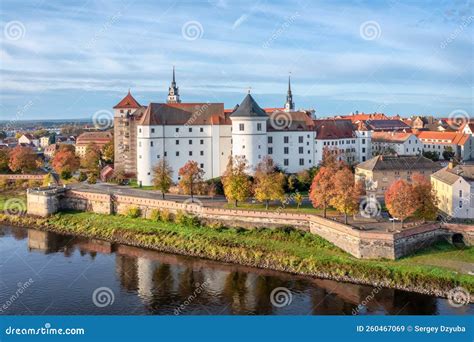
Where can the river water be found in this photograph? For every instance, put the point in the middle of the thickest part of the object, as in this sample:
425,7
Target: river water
44,273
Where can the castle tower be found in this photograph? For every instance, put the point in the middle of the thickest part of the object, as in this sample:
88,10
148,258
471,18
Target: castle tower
126,113
289,105
249,131
173,92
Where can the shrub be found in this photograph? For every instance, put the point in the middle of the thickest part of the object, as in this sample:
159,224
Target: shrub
92,179
179,217
134,212
165,215
155,215
3,184
186,220
33,183
82,177
66,174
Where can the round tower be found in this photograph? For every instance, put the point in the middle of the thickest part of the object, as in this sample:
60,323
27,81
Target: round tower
249,131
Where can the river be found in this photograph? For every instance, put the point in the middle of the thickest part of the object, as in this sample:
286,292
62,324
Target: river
43,273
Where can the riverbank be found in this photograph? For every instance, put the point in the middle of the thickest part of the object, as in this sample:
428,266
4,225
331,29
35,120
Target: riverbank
284,250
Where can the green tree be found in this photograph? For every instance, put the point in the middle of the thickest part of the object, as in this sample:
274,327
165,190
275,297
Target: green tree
108,152
236,182
269,183
448,153
162,176
433,155
298,199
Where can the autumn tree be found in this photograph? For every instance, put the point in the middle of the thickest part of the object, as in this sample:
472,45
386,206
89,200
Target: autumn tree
346,193
91,160
108,152
162,176
4,159
65,162
119,176
191,177
23,159
426,199
400,200
269,183
322,189
298,199
236,182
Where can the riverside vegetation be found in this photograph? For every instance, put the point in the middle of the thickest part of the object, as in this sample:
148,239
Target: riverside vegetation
282,249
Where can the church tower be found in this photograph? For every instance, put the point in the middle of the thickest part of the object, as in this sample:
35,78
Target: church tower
289,105
173,92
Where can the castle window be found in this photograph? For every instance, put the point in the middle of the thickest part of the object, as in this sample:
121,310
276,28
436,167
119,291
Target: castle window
177,130
270,150
201,141
177,142
201,129
190,153
300,139
309,161
201,153
259,127
140,157
285,162
201,166
286,140
151,143
241,127
363,141
177,153
165,154
152,130
286,150
190,129
300,150
190,142
301,161
139,144
157,156
139,130
270,140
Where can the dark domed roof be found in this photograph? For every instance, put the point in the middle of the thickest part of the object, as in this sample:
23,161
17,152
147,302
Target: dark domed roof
249,108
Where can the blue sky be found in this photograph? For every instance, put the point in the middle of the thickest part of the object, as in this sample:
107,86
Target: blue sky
70,59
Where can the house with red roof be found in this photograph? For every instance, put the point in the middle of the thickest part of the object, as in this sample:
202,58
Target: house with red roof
460,143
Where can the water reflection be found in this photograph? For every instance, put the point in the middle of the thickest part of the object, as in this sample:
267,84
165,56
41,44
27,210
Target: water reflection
148,282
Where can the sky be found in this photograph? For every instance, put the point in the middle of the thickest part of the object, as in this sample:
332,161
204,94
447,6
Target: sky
71,59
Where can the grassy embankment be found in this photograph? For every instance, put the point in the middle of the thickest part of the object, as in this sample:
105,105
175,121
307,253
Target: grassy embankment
279,249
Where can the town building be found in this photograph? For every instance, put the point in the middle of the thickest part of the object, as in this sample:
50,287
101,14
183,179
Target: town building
100,139
398,143
28,139
45,141
381,171
461,144
209,134
454,186
51,150
388,125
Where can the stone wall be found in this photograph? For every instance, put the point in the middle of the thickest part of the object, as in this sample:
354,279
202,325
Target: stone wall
361,244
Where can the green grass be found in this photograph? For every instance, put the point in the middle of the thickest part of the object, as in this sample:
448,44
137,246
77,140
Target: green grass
291,207
287,250
135,185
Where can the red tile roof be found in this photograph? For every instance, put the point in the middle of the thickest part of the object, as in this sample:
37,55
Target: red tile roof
185,114
127,102
334,129
363,117
454,138
390,136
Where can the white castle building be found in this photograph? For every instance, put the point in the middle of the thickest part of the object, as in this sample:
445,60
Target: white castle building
209,134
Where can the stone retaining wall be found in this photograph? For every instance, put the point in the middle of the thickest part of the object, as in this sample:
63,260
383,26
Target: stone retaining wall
361,244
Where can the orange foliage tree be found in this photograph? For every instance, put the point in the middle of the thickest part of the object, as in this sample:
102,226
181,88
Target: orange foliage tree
400,200
4,159
322,189
23,159
191,177
346,193
65,162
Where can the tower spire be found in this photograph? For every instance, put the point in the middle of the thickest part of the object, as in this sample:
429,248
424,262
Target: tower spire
289,105
173,91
